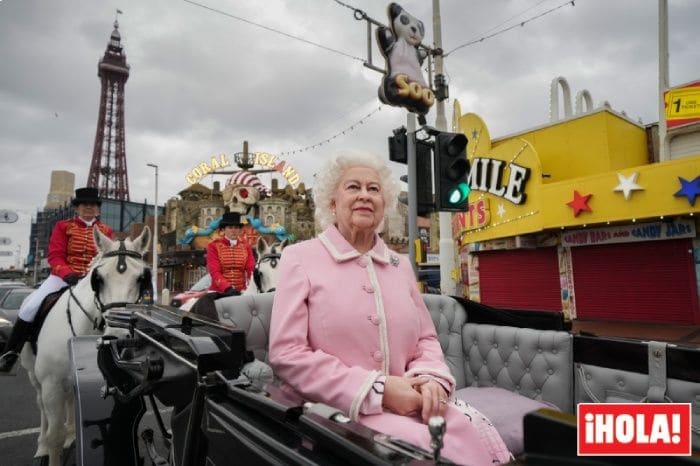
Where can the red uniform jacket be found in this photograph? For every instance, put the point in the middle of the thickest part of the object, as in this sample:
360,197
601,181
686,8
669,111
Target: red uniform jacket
72,246
229,266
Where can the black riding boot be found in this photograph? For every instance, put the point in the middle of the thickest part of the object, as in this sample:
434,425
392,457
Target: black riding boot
14,345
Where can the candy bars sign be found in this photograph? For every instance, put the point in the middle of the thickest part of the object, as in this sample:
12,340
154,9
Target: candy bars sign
648,429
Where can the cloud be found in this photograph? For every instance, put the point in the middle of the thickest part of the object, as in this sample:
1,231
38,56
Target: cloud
202,82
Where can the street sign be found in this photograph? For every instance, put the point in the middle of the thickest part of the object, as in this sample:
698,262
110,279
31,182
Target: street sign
5,253
682,105
8,216
5,241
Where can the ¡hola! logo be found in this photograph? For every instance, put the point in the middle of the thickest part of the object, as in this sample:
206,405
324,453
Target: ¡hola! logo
649,429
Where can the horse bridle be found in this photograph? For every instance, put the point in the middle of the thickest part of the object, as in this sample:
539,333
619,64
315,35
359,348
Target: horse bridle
273,257
98,323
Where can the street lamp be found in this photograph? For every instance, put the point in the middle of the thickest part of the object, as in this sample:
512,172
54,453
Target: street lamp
155,238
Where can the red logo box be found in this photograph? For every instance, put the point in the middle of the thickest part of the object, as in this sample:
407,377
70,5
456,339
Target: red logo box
632,429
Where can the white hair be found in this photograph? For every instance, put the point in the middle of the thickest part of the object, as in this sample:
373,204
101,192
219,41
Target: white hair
328,180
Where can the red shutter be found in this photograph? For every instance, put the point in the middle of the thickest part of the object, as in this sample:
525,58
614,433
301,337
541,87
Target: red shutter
646,281
520,279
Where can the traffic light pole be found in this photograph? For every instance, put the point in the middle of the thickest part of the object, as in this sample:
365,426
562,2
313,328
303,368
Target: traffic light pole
412,189
447,250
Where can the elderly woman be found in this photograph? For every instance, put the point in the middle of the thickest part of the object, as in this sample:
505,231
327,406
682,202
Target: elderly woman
350,329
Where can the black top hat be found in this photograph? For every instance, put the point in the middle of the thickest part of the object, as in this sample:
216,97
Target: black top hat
231,219
86,196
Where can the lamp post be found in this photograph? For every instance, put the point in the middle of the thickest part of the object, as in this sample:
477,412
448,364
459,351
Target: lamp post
155,238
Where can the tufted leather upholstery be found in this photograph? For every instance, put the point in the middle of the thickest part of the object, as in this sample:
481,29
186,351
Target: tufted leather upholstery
449,317
252,314
535,363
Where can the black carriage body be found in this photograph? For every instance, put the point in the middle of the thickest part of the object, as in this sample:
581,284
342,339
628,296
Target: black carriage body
106,431
192,365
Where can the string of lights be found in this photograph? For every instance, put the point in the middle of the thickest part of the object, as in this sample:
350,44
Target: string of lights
496,224
505,21
338,134
520,24
271,29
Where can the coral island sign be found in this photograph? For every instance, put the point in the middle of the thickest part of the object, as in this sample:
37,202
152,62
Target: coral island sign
263,159
283,167
204,168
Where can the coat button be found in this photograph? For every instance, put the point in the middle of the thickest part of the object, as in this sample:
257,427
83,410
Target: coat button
378,356
368,288
374,319
362,261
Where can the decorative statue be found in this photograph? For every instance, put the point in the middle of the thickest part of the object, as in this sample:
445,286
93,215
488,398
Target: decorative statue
403,84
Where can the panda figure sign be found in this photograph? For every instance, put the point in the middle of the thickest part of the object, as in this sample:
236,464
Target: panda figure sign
403,84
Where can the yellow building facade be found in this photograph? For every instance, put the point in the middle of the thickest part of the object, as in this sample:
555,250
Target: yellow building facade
575,217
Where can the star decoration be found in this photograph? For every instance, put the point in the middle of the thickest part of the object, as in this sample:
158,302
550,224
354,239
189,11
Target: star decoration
689,189
501,210
627,185
580,203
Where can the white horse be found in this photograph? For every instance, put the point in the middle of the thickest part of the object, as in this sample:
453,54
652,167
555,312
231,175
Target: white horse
116,277
265,273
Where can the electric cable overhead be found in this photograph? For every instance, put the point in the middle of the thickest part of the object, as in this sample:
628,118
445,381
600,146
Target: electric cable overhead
338,134
520,24
276,31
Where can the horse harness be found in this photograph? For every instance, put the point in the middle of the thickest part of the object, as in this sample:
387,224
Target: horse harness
98,323
271,257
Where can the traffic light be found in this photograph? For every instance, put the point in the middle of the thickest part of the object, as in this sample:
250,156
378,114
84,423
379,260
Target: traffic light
451,186
424,180
398,146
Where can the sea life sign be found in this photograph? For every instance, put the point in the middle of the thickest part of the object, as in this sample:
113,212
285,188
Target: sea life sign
403,84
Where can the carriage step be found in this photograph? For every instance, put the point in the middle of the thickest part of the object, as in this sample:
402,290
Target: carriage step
156,459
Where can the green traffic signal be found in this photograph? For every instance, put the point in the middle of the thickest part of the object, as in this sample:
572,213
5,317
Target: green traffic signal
450,174
459,194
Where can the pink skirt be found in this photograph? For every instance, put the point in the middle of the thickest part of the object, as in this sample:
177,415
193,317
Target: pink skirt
470,438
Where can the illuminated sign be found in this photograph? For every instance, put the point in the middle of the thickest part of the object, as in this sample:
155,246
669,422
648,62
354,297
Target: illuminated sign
263,159
283,167
403,84
204,168
478,216
486,175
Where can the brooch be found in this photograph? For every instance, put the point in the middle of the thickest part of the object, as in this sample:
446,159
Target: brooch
394,260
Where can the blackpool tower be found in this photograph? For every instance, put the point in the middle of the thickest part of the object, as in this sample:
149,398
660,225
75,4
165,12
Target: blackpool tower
108,167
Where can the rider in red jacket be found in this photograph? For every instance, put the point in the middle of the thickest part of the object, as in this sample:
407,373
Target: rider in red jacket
230,260
71,249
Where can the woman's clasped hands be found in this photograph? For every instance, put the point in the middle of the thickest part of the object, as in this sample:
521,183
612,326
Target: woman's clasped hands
407,396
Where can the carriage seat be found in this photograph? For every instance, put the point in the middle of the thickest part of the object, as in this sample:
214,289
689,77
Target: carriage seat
504,372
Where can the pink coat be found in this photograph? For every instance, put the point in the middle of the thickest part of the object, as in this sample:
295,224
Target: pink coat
342,319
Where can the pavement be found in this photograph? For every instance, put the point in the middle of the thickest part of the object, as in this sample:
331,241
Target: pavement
684,334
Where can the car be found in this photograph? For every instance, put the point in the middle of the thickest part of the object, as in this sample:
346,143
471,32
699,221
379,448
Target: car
10,303
6,286
198,289
5,330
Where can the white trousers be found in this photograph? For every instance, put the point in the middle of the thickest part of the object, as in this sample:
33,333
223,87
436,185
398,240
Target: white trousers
30,306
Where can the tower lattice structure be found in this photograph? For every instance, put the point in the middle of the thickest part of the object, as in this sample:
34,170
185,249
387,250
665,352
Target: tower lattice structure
108,167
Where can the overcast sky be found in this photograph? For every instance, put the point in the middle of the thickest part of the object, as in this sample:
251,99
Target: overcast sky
202,82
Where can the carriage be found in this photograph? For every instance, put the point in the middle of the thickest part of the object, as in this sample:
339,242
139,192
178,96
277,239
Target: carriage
170,387
192,365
